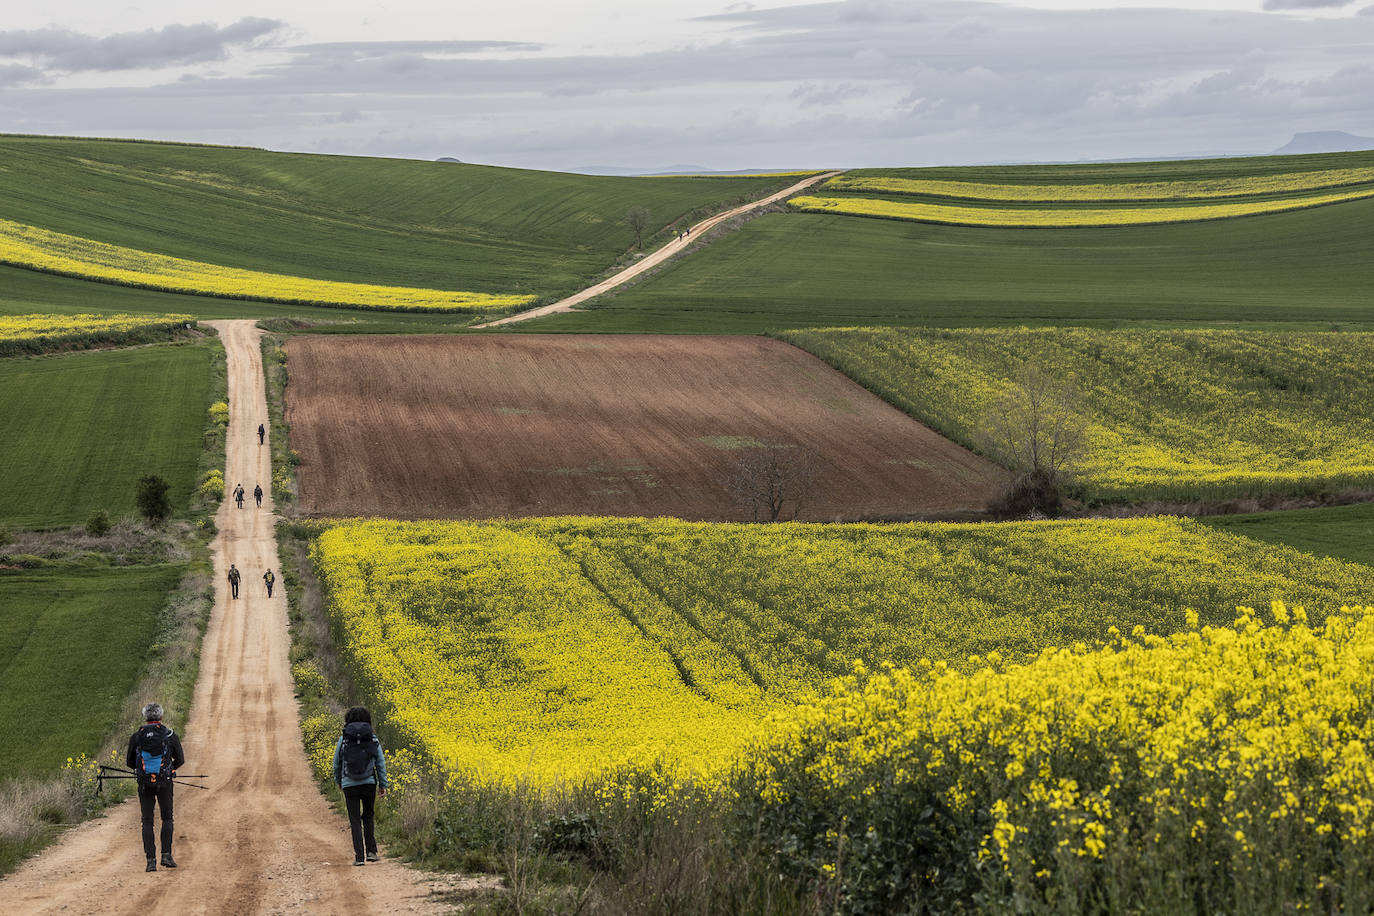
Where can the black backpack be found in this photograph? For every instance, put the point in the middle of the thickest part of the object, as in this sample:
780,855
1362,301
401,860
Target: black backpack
153,755
359,751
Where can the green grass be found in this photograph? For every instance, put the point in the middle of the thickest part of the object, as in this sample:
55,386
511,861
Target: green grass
78,430
385,221
72,644
795,270
1344,532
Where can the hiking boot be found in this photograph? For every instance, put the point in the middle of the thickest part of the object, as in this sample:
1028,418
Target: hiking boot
152,865
168,861
357,861
373,857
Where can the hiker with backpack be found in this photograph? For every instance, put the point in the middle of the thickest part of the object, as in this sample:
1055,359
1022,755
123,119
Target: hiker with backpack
360,773
269,579
238,495
155,755
234,577
262,433
257,494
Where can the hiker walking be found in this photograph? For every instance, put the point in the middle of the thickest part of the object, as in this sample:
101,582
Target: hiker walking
257,494
238,494
235,577
269,579
155,755
360,773
262,433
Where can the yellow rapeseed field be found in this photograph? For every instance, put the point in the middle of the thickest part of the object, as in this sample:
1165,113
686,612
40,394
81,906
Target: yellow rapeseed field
1182,189
1187,414
62,327
40,249
1028,217
38,333
553,649
1220,769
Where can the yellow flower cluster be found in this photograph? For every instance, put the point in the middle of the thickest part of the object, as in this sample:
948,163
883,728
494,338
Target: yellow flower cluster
1221,769
554,649
1182,189
1026,217
40,249
59,328
1171,414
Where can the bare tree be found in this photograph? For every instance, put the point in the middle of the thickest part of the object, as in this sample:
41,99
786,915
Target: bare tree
638,219
771,479
1037,429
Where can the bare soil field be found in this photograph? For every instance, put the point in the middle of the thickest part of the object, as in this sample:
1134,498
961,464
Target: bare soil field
497,426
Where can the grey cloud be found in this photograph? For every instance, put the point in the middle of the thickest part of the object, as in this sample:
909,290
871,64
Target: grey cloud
831,83
63,50
1305,4
18,75
1367,11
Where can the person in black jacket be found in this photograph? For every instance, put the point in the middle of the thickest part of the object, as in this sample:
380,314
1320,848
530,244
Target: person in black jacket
360,773
155,754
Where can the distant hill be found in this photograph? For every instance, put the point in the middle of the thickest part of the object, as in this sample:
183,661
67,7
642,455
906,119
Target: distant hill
1324,141
448,159
667,170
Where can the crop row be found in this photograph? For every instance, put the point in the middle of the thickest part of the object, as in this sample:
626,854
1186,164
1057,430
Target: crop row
1085,217
1187,189
552,649
1221,769
39,333
1189,414
55,252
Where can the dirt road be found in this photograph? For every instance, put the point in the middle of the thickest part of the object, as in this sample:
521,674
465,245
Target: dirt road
657,257
262,839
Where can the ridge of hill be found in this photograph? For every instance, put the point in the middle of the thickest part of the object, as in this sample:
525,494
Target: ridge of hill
394,222
1324,141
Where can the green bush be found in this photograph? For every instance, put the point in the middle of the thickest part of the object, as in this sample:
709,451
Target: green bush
98,523
151,497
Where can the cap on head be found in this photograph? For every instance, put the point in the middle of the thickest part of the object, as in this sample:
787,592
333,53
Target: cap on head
152,712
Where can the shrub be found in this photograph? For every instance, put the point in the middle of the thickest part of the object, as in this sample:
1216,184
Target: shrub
219,414
98,524
152,499
212,485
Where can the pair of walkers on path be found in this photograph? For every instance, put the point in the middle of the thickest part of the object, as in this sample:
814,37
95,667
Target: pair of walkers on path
239,494
155,754
235,578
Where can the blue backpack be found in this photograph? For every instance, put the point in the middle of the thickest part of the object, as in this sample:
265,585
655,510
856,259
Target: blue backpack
154,758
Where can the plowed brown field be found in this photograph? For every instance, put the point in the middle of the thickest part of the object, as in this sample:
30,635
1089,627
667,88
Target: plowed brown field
490,426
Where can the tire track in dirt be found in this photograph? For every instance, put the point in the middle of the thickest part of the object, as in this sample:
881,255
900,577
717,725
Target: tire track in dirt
262,839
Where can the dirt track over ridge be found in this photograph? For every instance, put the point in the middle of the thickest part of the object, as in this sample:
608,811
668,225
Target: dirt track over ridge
482,426
263,839
654,258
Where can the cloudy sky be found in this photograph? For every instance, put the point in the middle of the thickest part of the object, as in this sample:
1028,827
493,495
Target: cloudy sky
711,83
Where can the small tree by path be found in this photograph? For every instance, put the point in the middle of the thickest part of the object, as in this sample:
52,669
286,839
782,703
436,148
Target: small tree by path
639,219
152,499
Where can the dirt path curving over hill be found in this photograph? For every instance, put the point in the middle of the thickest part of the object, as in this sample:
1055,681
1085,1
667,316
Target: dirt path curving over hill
655,258
262,839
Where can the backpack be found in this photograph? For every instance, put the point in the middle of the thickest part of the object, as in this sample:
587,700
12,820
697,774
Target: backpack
153,755
359,751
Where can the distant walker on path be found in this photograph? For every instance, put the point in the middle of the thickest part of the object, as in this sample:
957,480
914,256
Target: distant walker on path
238,494
234,577
360,773
262,433
257,494
269,579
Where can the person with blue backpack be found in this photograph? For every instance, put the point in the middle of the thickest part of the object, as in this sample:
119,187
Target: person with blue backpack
155,755
360,773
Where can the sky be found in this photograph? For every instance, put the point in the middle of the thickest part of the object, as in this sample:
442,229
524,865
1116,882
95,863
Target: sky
716,84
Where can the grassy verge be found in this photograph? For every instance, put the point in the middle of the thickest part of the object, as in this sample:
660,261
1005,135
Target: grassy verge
96,625
1344,532
284,458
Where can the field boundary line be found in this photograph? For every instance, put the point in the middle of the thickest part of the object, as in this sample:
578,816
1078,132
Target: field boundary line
653,259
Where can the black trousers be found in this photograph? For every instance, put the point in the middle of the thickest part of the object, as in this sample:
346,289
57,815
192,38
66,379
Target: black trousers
234,588
361,822
162,797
